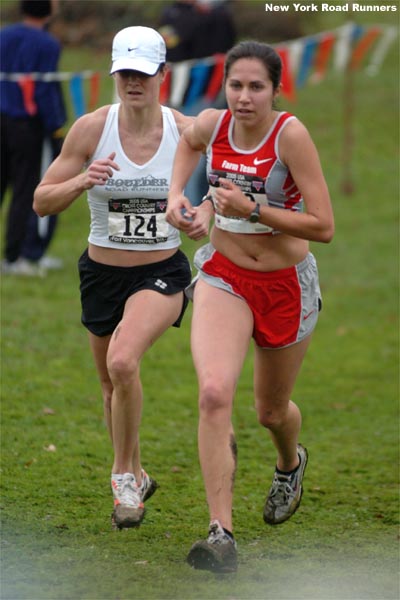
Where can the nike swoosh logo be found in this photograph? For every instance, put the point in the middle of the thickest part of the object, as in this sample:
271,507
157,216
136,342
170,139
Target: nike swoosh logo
134,48
260,162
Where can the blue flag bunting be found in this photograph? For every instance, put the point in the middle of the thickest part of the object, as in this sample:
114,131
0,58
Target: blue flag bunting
77,95
307,61
199,77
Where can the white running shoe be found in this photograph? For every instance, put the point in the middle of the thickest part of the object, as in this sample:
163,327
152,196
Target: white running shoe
22,267
129,499
51,263
128,504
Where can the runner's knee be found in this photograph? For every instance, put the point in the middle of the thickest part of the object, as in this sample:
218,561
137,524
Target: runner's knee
122,370
215,397
270,416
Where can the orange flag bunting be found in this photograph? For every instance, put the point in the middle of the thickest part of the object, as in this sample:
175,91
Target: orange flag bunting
363,46
322,57
94,91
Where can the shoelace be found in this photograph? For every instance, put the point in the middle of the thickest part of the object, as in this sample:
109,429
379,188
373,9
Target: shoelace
282,489
216,535
129,493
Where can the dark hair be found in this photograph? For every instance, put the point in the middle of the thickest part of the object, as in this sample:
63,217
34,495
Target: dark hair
36,8
268,56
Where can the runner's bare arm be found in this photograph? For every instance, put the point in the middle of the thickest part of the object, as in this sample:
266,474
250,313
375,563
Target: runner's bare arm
66,178
193,141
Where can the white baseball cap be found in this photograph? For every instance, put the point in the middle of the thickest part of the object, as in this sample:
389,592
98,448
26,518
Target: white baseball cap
138,49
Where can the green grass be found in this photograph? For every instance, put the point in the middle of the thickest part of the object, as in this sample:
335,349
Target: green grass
343,542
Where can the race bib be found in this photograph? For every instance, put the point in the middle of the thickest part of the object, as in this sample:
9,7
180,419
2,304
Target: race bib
253,187
137,221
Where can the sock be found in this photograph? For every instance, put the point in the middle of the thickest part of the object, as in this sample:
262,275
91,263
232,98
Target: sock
288,473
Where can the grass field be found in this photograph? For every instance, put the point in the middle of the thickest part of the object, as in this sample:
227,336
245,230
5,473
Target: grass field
57,543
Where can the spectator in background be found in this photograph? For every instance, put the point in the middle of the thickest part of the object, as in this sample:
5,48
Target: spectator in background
40,230
27,120
195,29
215,32
177,26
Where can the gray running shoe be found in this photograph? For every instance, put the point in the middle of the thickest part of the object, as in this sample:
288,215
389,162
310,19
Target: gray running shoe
285,494
129,500
217,553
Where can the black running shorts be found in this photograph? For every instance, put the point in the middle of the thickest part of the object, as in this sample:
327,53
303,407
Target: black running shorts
105,288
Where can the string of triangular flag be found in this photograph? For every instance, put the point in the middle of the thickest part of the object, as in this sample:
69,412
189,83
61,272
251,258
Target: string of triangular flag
306,59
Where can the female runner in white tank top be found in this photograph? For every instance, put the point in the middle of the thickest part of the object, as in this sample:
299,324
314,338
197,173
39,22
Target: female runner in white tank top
256,279
132,274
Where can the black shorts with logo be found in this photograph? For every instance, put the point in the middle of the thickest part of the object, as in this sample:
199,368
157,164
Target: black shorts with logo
105,288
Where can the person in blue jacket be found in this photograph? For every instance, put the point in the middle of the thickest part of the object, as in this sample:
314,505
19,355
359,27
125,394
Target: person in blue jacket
26,122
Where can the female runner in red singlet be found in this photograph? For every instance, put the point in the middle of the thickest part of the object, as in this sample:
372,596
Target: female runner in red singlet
256,279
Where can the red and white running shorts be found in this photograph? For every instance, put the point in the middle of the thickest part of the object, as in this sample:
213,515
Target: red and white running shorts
285,303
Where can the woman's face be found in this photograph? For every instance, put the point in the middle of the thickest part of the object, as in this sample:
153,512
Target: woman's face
249,91
137,88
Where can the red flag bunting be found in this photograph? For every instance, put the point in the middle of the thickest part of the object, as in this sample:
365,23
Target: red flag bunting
165,88
288,86
214,86
27,85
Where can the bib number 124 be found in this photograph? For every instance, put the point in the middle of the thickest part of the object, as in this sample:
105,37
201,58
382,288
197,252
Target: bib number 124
139,226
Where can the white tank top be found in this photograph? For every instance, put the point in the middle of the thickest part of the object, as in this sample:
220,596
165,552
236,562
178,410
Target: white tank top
128,212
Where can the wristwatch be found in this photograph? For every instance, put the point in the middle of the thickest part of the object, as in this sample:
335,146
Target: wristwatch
255,214
207,197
